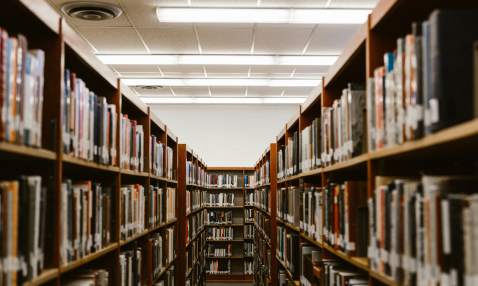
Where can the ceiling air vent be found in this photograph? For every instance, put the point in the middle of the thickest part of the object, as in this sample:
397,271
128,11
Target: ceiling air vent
91,11
149,86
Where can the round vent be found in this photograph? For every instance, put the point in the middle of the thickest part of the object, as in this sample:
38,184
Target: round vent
91,11
149,86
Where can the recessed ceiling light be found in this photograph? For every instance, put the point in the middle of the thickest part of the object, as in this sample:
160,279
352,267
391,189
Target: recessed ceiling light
296,16
217,60
149,86
219,82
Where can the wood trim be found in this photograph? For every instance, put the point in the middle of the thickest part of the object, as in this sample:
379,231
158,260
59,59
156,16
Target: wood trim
313,97
295,119
155,119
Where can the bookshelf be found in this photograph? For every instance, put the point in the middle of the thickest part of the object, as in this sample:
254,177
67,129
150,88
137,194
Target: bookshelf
45,29
363,54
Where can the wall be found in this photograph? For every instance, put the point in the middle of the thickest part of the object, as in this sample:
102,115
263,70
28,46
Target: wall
226,135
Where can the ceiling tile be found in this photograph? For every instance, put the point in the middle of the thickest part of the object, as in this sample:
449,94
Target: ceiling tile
183,75
225,25
272,69
227,69
170,40
259,91
227,75
293,3
349,4
135,68
270,75
191,91
225,41
114,40
223,3
165,92
228,91
141,74
143,12
312,69
281,41
182,68
330,39
284,26
309,75
298,91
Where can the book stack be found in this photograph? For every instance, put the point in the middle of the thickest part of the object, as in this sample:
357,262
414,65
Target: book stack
87,277
249,181
219,217
23,204
311,217
263,224
311,256
220,233
249,199
221,181
21,91
132,144
213,251
248,215
288,158
168,278
249,231
130,265
248,267
344,207
288,200
218,267
161,159
220,200
89,125
155,206
85,219
263,199
191,173
132,210
249,249
412,94
155,257
331,272
170,244
194,200
343,126
310,147
170,204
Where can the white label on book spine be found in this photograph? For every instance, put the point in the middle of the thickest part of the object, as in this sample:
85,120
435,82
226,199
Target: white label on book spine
446,227
412,265
384,255
444,279
350,246
434,110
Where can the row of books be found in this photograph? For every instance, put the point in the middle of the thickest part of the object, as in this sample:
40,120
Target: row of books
21,91
130,265
262,175
249,248
248,267
288,200
249,181
311,217
412,94
288,158
170,204
156,206
219,217
333,272
288,250
221,266
213,251
89,125
194,224
220,233
132,210
343,126
87,277
23,205
248,215
168,278
263,224
310,147
310,255
162,159
196,278
262,264
195,199
345,211
263,199
191,173
221,181
249,199
155,256
220,200
85,219
193,254
132,144
249,231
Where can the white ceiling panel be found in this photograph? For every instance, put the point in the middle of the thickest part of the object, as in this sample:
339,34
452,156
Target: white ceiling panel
191,91
163,92
298,91
135,68
260,91
294,3
331,39
183,75
225,25
227,75
225,41
349,4
114,40
223,3
143,12
312,69
141,74
182,68
281,41
270,75
170,40
308,75
284,26
272,69
228,91
226,69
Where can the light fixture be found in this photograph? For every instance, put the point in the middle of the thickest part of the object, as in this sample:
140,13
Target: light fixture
217,60
302,16
218,82
222,100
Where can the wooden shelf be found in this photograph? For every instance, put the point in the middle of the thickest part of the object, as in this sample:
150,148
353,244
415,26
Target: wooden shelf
195,211
225,207
349,163
163,270
311,240
88,164
234,240
361,263
45,276
232,257
234,224
292,178
88,258
171,221
133,238
133,173
216,188
15,151
157,227
296,282
249,205
194,238
317,171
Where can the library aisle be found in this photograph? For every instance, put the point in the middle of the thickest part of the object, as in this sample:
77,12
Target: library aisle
372,180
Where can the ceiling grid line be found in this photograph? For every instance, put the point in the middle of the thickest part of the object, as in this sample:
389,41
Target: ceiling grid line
253,38
204,68
197,38
310,39
292,74
160,70
209,91
172,91
247,88
282,94
134,27
115,70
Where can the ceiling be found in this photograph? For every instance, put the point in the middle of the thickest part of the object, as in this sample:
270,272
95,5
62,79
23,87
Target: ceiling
138,31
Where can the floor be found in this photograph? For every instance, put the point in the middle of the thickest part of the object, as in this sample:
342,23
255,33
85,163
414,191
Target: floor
229,284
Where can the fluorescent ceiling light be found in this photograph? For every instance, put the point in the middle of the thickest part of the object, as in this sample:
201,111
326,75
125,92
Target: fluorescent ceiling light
222,100
307,16
219,82
217,60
